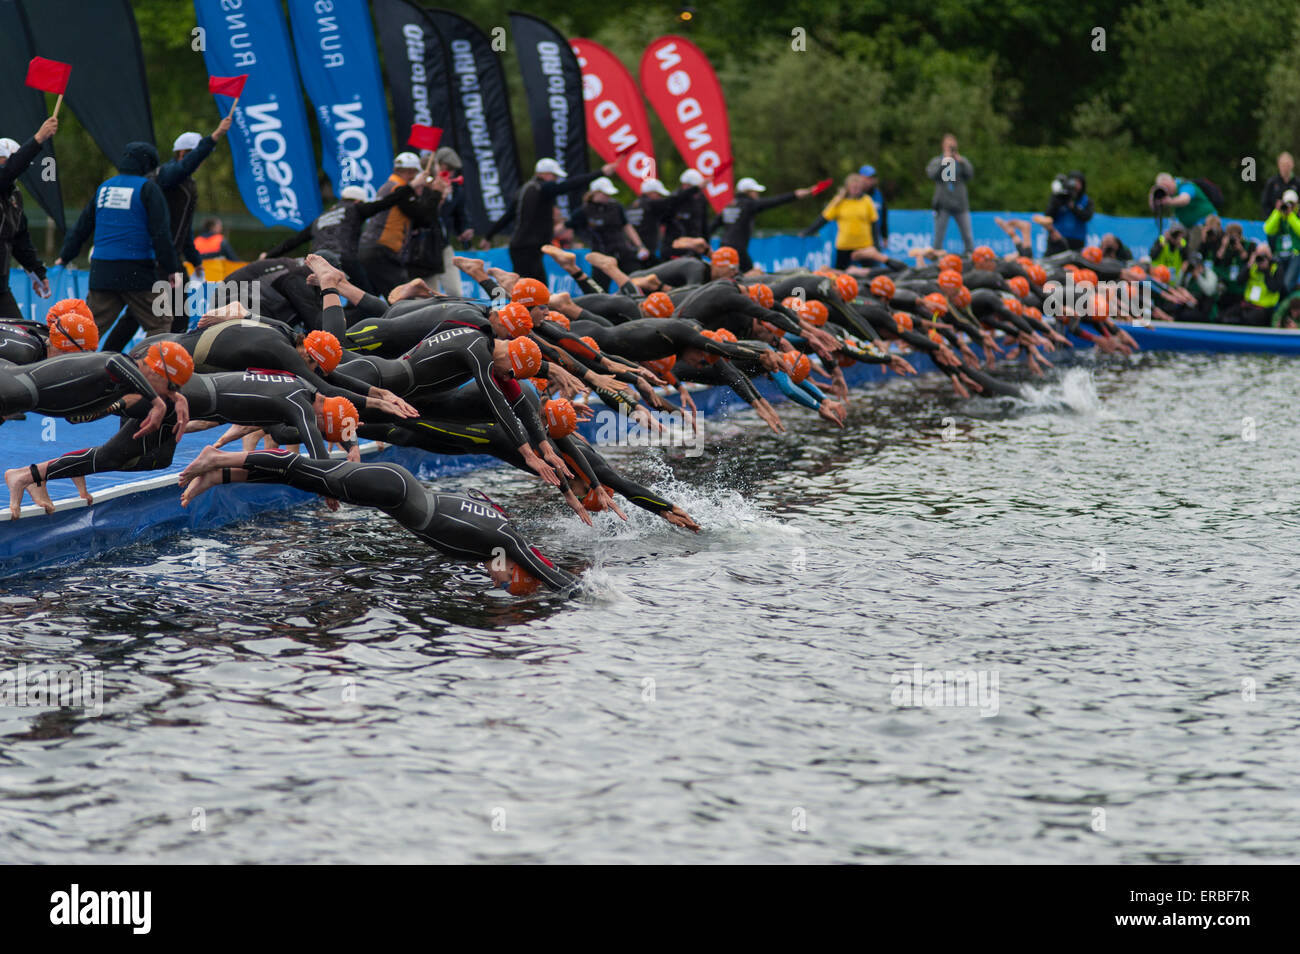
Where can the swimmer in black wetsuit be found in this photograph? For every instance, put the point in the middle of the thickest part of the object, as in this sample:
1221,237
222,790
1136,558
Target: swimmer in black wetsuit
456,525
253,399
22,342
242,344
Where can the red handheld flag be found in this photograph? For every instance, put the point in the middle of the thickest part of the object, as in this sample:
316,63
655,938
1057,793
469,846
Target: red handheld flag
822,186
227,85
626,149
49,76
425,137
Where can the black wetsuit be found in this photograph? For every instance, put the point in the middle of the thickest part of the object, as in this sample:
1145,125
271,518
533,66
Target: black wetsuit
445,361
71,384
268,346
615,308
253,398
458,526
21,342
724,304
686,270
402,328
284,293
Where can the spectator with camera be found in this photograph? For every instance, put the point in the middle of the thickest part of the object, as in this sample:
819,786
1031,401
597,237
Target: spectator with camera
1278,184
1262,292
1282,229
1171,249
1067,215
950,171
1229,263
1187,201
1112,247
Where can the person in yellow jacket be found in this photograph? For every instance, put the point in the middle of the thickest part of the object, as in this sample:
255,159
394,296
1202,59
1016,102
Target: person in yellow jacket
1282,229
854,213
1263,289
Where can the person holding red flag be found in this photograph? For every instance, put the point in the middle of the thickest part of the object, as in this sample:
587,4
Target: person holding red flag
14,161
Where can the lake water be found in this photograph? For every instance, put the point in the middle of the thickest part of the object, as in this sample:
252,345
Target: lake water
1113,562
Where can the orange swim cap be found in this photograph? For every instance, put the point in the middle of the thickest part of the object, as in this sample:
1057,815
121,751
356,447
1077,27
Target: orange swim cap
936,303
340,416
951,263
559,318
903,320
561,418
1019,284
72,326
171,361
949,281
530,293
816,312
762,294
798,366
657,305
847,286
725,255
882,286
515,318
525,357
323,348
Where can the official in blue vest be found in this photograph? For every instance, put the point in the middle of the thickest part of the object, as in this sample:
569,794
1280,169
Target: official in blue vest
132,240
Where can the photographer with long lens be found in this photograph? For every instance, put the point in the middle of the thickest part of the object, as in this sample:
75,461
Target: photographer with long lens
1263,290
1067,215
1186,200
1282,229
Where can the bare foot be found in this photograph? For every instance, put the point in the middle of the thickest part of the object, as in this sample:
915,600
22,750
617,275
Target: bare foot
209,459
41,496
415,288
601,260
473,267
648,283
563,257
198,484
19,480
324,272
505,279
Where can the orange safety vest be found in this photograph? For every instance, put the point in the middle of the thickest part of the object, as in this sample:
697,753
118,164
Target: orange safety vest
208,244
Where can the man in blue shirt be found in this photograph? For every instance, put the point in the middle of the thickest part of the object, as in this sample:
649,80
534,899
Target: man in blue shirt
132,240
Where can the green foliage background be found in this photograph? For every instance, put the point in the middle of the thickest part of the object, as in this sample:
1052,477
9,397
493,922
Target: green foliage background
1191,86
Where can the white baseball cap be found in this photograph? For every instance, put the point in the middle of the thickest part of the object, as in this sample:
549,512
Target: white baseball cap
187,140
652,185
8,147
692,177
353,192
604,185
1290,196
749,185
551,166
406,160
